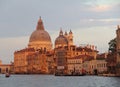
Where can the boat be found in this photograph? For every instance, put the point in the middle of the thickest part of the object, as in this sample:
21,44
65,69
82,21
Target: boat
7,75
75,74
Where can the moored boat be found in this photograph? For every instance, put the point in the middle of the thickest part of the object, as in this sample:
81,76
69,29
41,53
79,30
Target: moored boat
7,75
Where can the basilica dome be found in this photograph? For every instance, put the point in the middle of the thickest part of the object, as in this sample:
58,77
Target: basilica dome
61,40
40,39
40,35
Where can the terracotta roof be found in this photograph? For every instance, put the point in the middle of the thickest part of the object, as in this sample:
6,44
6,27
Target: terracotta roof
85,57
25,50
5,65
85,49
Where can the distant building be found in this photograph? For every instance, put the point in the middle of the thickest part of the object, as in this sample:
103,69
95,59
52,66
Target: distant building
74,64
61,60
111,62
68,56
6,68
20,60
96,66
102,55
118,50
39,57
0,62
50,61
37,63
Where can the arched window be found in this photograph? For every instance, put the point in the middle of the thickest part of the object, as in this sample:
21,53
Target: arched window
44,49
6,69
0,70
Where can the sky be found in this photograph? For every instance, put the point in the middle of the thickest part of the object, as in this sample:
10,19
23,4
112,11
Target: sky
91,21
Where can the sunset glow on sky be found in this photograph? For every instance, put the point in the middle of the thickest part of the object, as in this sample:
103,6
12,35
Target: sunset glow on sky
91,21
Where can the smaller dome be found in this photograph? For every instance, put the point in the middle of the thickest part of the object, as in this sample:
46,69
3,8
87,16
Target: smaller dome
61,41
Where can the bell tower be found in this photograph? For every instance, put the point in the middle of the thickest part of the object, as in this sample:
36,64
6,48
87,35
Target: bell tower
70,38
118,43
118,51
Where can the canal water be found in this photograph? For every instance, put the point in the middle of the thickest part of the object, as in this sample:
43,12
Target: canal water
58,81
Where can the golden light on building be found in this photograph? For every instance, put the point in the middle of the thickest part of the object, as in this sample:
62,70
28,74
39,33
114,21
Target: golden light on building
39,57
33,58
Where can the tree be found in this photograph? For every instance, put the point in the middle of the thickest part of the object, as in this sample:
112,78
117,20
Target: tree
112,45
111,57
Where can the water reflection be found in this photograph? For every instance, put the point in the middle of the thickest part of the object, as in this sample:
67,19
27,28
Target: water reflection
56,81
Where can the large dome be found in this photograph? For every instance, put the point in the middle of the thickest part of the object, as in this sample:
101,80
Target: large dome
39,35
40,39
61,40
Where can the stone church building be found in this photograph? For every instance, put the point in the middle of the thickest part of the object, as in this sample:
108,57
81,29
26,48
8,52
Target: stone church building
40,58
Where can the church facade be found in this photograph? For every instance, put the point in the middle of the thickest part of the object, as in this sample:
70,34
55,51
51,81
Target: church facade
40,58
69,57
33,58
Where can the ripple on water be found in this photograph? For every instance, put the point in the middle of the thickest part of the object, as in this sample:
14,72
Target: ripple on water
58,81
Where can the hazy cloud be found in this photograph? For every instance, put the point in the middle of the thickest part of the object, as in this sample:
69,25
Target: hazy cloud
105,20
92,21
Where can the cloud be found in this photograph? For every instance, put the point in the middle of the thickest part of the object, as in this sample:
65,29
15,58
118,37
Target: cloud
105,20
102,5
101,8
86,18
98,36
98,22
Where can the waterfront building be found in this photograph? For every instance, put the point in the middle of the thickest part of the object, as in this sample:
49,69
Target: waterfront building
89,50
0,62
103,55
96,66
37,63
40,62
39,57
74,64
20,60
118,50
62,44
50,61
6,68
111,62
61,60
70,57
33,58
